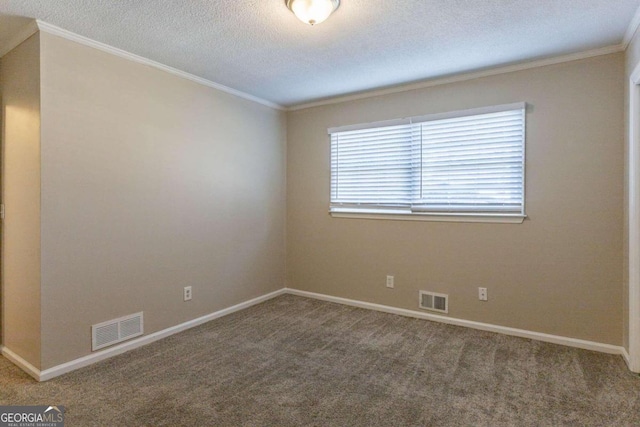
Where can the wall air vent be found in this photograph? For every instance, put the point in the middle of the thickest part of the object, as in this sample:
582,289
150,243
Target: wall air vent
434,302
114,331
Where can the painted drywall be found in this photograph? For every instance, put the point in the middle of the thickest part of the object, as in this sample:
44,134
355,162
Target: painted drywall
151,183
560,272
20,85
632,56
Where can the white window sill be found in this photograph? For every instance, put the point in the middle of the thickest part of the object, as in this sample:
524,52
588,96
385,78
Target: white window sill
444,217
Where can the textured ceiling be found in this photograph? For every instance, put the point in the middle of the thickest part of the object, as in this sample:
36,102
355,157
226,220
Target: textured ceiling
259,47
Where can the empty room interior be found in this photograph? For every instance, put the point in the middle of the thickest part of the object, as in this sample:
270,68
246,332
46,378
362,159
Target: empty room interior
320,212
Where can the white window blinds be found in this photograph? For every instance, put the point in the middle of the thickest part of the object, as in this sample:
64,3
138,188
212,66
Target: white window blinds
469,162
372,167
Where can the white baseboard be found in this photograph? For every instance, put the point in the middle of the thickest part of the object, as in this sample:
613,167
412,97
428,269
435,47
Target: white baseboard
20,362
628,360
555,339
92,358
626,357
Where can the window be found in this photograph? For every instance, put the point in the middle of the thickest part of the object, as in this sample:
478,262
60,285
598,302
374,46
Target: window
461,164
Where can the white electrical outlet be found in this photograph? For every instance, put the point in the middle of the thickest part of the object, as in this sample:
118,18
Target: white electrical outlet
482,294
187,293
390,282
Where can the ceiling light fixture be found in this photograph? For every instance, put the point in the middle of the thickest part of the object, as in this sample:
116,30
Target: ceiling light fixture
312,12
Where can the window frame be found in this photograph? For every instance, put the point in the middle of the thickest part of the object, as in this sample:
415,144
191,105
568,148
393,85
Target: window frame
410,214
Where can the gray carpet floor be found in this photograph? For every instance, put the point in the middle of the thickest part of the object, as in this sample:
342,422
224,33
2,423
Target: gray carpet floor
294,361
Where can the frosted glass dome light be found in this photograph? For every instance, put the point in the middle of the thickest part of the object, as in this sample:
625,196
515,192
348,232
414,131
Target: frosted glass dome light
312,12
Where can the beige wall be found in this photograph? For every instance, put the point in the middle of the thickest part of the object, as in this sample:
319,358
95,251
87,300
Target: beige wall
560,272
20,85
151,183
632,56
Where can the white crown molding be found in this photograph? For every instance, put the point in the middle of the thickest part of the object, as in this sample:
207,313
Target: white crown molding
27,31
57,31
538,336
631,30
36,25
463,77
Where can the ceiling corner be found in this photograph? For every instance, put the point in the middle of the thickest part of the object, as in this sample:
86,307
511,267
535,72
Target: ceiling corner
631,30
27,31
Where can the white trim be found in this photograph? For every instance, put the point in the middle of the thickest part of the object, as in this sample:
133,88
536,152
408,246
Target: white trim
52,29
90,359
20,362
410,134
412,216
430,117
47,374
57,31
471,112
64,368
372,125
626,357
27,31
555,339
634,220
438,81
631,29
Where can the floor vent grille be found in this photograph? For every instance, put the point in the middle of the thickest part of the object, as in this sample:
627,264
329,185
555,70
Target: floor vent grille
434,302
114,331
